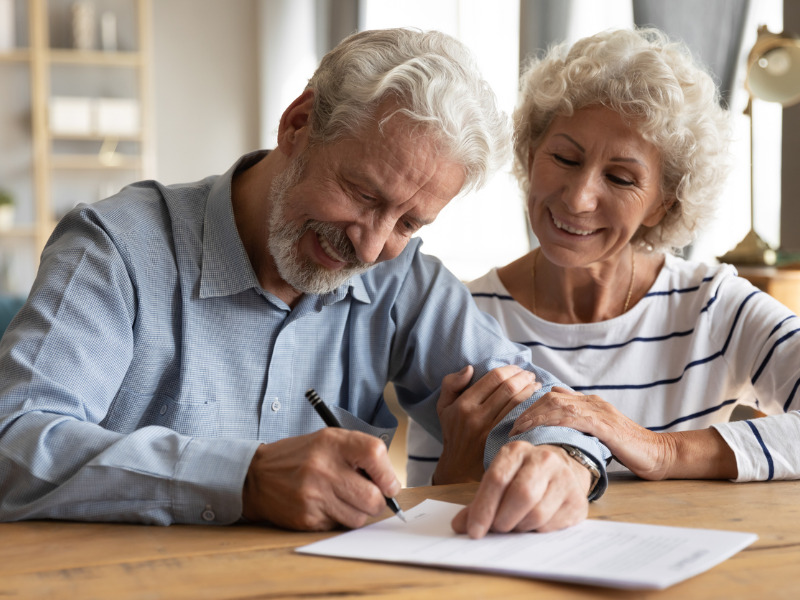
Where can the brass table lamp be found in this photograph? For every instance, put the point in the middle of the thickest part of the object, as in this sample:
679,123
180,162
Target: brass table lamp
773,75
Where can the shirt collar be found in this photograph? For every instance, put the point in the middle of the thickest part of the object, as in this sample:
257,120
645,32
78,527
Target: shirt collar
226,268
354,285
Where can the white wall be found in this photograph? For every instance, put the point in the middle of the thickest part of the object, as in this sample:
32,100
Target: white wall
205,79
288,57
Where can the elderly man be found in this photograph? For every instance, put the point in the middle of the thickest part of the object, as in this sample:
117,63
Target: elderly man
157,372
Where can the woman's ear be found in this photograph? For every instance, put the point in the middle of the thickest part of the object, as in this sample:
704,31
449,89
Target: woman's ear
659,211
294,125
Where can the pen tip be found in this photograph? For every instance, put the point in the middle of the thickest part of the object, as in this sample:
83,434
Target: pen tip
402,516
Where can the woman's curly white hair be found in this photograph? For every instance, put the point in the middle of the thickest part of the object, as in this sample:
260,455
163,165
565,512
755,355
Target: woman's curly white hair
657,86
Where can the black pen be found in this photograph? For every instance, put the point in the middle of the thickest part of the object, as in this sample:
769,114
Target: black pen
331,421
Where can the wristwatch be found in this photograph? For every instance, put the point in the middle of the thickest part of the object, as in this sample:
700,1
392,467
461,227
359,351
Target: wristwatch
586,461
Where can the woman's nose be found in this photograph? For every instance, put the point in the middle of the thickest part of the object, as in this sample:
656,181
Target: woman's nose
582,193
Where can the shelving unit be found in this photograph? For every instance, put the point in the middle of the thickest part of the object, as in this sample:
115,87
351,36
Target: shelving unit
67,169
12,56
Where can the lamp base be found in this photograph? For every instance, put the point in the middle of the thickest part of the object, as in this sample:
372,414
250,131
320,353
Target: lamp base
752,250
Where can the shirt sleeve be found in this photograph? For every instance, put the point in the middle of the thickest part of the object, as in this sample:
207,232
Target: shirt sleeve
63,362
765,448
764,342
439,331
423,451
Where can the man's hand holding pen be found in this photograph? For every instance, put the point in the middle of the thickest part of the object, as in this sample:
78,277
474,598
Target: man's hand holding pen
312,482
331,421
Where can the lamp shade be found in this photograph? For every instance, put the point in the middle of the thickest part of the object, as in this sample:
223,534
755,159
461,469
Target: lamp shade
773,68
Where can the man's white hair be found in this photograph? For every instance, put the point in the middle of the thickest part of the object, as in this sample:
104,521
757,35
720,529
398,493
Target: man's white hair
433,80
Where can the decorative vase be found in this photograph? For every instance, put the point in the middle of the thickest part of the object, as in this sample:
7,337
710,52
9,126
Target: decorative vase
108,31
83,26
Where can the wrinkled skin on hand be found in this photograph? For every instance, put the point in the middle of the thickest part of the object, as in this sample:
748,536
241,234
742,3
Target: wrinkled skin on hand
312,482
644,452
468,413
527,488
701,453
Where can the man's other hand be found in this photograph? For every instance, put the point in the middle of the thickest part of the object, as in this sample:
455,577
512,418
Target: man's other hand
527,488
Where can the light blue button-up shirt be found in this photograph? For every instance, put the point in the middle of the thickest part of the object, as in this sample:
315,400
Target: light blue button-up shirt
148,364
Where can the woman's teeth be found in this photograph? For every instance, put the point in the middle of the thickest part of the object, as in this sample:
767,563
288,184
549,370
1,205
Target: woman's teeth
569,229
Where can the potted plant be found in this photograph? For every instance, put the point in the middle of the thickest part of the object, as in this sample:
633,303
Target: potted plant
6,210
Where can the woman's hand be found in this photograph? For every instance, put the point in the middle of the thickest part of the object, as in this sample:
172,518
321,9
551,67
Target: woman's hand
649,455
468,414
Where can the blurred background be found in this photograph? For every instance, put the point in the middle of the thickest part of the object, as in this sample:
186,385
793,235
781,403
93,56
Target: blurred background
99,93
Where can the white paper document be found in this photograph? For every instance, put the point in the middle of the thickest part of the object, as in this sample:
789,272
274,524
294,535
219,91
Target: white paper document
605,553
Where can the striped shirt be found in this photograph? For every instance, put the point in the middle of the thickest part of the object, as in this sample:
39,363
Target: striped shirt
148,364
701,341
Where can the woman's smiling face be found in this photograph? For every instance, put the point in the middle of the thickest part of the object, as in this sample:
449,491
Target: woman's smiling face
594,181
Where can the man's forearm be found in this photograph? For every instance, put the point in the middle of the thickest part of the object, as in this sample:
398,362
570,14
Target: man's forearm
66,469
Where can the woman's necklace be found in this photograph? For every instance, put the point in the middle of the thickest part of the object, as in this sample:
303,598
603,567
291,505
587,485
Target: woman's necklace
627,298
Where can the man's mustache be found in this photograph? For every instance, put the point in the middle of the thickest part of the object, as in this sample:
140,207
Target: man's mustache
338,239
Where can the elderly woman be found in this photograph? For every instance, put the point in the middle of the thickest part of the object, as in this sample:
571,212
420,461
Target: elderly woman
621,152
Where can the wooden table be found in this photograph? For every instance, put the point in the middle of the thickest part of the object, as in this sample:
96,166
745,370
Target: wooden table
83,561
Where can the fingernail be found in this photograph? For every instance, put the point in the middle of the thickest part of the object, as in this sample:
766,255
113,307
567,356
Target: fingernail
476,531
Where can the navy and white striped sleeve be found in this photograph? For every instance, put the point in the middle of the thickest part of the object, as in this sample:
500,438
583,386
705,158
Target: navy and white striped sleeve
767,346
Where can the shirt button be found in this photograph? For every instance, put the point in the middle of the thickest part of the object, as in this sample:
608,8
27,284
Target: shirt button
276,406
385,437
208,514
163,410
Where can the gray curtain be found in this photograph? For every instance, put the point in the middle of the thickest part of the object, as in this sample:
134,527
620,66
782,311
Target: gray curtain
713,29
542,23
336,19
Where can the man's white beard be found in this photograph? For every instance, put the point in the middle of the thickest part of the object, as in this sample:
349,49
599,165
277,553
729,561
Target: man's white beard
302,273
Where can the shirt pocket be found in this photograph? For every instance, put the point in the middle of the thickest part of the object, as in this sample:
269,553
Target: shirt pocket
131,411
349,421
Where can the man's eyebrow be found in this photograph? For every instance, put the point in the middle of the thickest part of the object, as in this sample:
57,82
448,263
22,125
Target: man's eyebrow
613,158
368,185
373,189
